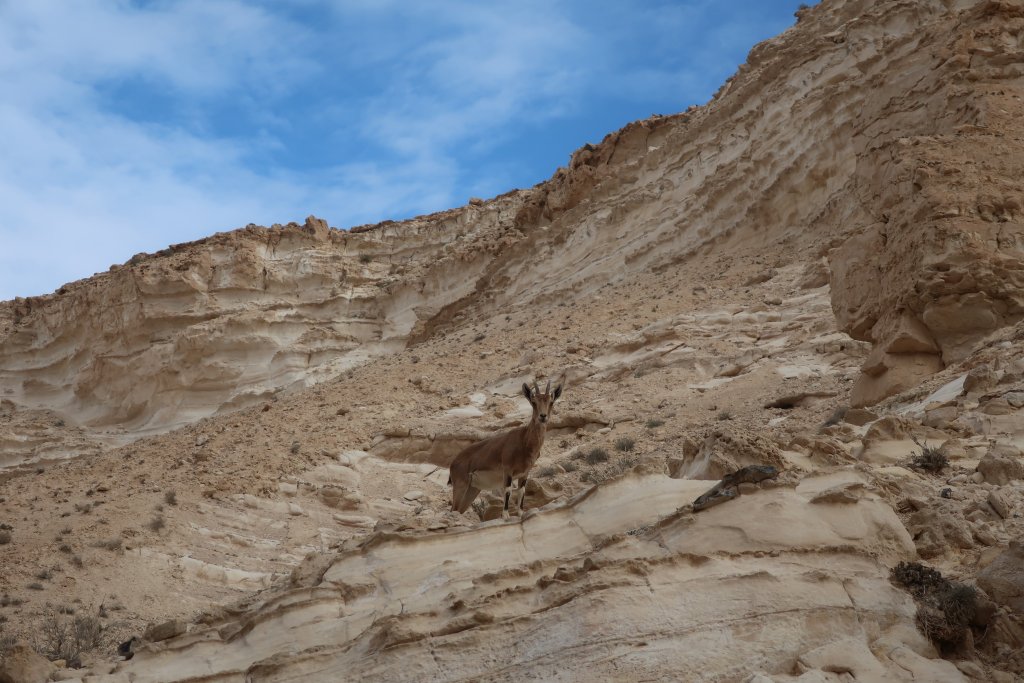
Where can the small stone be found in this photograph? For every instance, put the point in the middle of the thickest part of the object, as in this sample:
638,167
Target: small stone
287,488
168,629
413,495
295,509
978,478
971,669
202,440
842,494
999,503
983,536
359,521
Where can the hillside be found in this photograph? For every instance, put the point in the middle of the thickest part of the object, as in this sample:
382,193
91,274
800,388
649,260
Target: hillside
821,270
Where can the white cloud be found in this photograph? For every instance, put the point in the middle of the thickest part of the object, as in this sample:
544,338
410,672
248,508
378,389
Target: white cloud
131,125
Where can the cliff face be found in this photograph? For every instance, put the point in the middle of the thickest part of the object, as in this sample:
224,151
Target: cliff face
881,136
221,323
939,266
839,227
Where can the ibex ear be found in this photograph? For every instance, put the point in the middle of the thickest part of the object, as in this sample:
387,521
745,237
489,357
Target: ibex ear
558,392
526,392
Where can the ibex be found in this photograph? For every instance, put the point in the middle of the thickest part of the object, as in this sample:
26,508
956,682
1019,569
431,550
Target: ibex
497,460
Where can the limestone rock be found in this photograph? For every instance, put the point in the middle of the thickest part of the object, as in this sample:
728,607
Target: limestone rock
1003,579
723,451
980,379
859,416
339,497
938,528
165,630
999,503
885,374
22,664
814,275
566,555
1002,464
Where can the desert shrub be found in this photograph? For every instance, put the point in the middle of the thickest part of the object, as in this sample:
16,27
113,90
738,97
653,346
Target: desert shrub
652,424
157,523
570,466
624,443
365,258
295,447
76,561
596,455
5,537
626,463
109,544
61,637
724,415
44,574
36,586
547,471
171,497
944,608
929,459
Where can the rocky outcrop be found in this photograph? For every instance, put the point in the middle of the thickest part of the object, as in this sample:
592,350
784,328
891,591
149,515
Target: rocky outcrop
222,323
941,262
21,664
477,604
1003,580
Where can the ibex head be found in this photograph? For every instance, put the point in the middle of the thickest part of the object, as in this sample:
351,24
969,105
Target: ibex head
544,402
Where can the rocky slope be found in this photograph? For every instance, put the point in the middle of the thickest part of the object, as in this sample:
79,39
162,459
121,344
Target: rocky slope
263,417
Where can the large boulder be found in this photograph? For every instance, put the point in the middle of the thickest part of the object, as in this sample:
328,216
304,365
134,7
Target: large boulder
1002,464
1003,579
723,451
22,664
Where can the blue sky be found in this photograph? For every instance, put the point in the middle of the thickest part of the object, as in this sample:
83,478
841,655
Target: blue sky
129,126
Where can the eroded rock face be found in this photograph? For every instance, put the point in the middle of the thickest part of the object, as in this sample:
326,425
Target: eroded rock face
726,450
22,664
453,606
1003,580
1002,464
942,263
227,321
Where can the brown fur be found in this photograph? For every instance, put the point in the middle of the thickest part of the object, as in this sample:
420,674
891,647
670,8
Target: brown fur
496,461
